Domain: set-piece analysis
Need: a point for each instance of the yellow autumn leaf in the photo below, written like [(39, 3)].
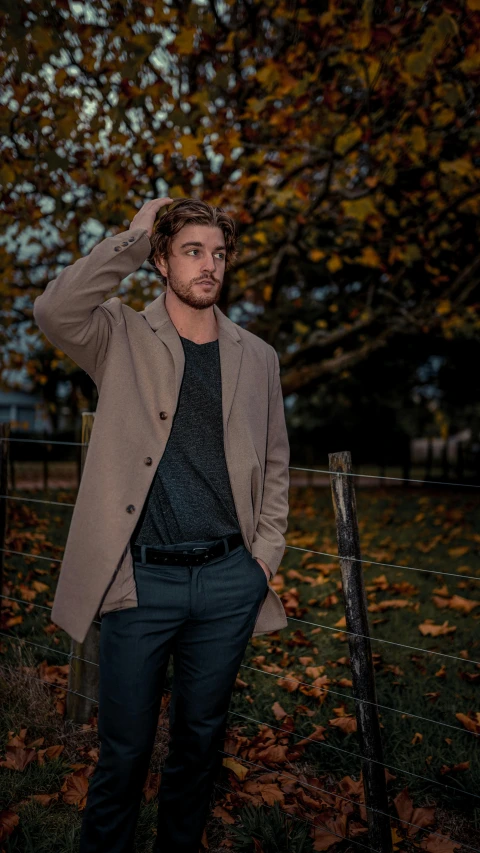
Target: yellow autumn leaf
[(39, 586), (444, 306), (359, 208), (229, 45), (396, 839), (461, 166), (347, 140), (470, 64), (267, 292), (240, 770), (300, 328), (269, 76), (184, 41), (373, 66), (334, 263), (369, 257), (444, 117), (260, 237), (190, 145), (418, 139), (361, 38), (316, 255)]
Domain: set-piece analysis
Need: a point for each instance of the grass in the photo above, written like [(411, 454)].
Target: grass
[(433, 530)]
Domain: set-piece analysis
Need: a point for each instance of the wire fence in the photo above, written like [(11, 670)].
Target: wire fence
[(308, 624), (297, 681), (426, 482), (297, 779)]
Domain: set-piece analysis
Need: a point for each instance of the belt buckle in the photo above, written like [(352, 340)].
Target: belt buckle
[(205, 551)]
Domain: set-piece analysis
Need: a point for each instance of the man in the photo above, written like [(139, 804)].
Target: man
[(179, 520)]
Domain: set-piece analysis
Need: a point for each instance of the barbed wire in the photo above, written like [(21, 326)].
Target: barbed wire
[(34, 604), (165, 729), (320, 625), (313, 742), (381, 477), (346, 799), (34, 500), (385, 565), (327, 745), (43, 441), (363, 701), (52, 684), (328, 628), (287, 545), (48, 648), (291, 467), (290, 776), (276, 675), (383, 640)]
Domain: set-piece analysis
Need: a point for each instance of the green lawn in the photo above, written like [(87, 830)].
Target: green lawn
[(434, 530)]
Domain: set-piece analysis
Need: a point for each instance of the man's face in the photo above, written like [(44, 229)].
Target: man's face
[(196, 265)]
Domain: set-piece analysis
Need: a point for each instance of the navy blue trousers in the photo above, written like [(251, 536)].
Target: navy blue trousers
[(205, 616)]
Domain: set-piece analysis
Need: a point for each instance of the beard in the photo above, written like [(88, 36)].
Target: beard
[(190, 294)]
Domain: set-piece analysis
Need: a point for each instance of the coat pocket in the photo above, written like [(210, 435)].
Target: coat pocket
[(258, 568)]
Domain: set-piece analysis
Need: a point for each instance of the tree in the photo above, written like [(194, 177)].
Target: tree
[(345, 139)]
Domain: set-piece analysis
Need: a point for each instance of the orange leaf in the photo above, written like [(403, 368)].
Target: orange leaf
[(46, 799), (346, 724), (18, 757), (471, 725), (75, 789), (329, 832), (424, 816), (439, 844), (8, 821), (222, 813), (429, 628)]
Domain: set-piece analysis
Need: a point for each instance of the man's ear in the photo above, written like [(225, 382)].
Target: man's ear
[(161, 265)]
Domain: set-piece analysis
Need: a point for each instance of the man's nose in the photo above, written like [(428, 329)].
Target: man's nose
[(209, 264)]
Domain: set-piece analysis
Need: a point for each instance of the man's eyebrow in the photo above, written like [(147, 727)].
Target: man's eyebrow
[(192, 243)]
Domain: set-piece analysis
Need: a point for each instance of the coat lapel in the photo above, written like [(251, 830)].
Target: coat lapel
[(229, 343)]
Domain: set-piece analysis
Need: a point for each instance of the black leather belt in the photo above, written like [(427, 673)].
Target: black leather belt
[(188, 557)]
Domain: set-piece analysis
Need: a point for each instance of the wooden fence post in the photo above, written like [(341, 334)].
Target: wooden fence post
[(4, 455), (83, 676), (361, 663)]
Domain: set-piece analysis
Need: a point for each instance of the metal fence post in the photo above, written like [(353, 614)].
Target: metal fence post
[(83, 676), (361, 663)]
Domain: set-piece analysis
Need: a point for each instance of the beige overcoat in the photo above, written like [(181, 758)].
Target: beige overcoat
[(136, 360)]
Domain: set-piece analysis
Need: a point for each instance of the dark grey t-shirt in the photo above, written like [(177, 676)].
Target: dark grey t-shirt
[(190, 497)]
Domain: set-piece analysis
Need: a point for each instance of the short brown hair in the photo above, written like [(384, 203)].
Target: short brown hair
[(190, 211)]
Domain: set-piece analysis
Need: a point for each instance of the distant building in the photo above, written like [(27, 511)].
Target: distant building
[(24, 411), (420, 448)]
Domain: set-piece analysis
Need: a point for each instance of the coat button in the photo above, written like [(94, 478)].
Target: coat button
[(131, 239), (163, 415), (130, 508), (117, 248), (148, 460), (125, 243)]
